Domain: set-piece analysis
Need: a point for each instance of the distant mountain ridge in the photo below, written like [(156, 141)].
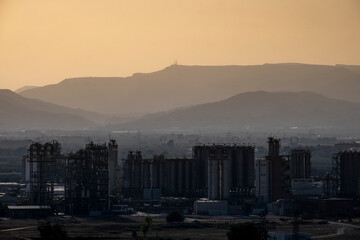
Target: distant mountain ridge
[(178, 86), (257, 111), (354, 68), (24, 88), (250, 111), (19, 113)]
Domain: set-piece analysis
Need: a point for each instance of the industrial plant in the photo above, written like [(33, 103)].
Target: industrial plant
[(217, 179)]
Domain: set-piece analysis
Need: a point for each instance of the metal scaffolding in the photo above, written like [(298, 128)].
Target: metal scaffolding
[(41, 162), (334, 183), (87, 180)]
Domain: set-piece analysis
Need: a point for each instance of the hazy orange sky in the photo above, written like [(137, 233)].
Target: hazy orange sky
[(44, 41)]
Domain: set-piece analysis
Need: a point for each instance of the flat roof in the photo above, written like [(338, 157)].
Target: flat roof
[(29, 207), (10, 183), (211, 201)]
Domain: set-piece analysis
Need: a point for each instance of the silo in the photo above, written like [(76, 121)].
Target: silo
[(250, 166), (300, 163), (193, 173), (137, 170), (201, 156), (239, 162), (180, 176), (146, 173), (154, 174), (225, 173), (187, 176), (127, 173), (172, 175), (213, 174), (112, 163)]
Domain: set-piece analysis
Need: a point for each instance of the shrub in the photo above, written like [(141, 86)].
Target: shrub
[(52, 231), (175, 216), (147, 226)]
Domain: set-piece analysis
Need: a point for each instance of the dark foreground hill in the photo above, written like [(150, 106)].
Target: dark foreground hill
[(257, 111), (179, 86), (19, 113)]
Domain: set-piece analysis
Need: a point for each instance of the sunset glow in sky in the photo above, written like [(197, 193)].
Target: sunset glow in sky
[(42, 42)]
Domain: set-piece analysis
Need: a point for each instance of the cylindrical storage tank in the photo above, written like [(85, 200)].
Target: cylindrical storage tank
[(187, 175), (201, 156), (307, 164), (146, 174), (154, 174), (226, 175), (172, 175), (250, 159), (137, 174), (180, 176), (213, 178), (127, 173), (239, 167), (300, 163), (162, 174), (194, 172), (165, 175)]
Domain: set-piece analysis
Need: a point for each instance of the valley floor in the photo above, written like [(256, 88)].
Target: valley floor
[(194, 227)]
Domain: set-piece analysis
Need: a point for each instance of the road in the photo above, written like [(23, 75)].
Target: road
[(15, 229), (339, 232)]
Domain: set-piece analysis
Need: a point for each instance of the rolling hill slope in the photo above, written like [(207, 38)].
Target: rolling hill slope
[(178, 86), (19, 113), (263, 111)]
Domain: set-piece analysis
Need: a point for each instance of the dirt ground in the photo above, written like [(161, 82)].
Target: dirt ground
[(122, 227)]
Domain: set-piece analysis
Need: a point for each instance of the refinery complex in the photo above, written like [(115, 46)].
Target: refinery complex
[(218, 179)]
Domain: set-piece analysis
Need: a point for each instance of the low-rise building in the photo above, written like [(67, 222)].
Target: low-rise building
[(29, 211), (306, 187), (211, 207), (262, 179)]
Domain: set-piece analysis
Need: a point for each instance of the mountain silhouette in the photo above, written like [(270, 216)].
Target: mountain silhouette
[(24, 88), (19, 113), (257, 111), (178, 86)]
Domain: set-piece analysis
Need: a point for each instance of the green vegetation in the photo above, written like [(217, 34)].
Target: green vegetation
[(147, 226)]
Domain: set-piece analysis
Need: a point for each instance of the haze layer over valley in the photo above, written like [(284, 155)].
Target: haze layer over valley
[(258, 112)]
